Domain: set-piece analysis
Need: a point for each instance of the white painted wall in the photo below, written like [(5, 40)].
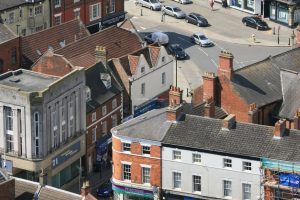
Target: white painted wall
[(152, 79), (212, 174)]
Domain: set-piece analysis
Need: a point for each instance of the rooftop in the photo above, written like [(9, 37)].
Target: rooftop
[(152, 125), (6, 34), (26, 80)]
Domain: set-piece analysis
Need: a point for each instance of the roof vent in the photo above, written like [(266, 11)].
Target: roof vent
[(106, 79), (62, 43), (14, 80)]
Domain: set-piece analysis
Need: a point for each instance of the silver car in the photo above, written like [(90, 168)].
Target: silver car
[(183, 1), (201, 39), (152, 4), (173, 11)]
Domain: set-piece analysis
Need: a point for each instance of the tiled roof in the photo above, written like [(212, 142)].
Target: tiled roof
[(133, 63), (118, 42), (6, 34), (128, 25), (6, 4), (260, 82), (245, 139), (154, 53), (199, 111), (51, 38)]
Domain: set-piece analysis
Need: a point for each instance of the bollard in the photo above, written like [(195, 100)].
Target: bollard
[(162, 17), (141, 12), (274, 30), (289, 41), (253, 37)]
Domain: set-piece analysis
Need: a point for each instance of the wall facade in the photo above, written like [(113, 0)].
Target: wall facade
[(10, 55)]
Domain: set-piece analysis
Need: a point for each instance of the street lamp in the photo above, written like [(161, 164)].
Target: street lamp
[(175, 70), (278, 34)]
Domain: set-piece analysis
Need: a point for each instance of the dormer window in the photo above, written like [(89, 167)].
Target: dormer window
[(106, 79), (88, 94), (143, 70)]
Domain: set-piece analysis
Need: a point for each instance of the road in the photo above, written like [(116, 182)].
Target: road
[(204, 59)]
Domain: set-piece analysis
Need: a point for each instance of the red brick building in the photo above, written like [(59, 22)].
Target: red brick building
[(95, 14), (10, 54)]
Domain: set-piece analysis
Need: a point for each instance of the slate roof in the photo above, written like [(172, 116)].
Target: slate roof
[(118, 42), (6, 4), (53, 36), (249, 140), (199, 111), (260, 82), (6, 34), (99, 93), (152, 125)]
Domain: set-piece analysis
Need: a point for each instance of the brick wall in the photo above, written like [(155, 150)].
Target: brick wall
[(136, 161), (6, 49)]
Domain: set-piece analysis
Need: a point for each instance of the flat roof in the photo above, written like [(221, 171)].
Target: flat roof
[(26, 80)]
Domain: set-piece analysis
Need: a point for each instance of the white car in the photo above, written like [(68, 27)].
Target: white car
[(157, 37), (183, 1), (201, 39), (152, 4)]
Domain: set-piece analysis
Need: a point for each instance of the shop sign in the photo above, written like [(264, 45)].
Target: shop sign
[(145, 108), (61, 158), (134, 191), (292, 180)]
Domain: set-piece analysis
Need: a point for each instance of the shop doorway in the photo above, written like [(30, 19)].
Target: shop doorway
[(265, 9)]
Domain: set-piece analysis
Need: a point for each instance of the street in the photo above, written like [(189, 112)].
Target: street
[(220, 32)]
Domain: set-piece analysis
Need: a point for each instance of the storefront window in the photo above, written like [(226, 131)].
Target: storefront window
[(237, 3), (249, 5), (282, 14), (272, 11)]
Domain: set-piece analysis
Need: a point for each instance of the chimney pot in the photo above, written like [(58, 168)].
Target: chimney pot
[(280, 127), (297, 119)]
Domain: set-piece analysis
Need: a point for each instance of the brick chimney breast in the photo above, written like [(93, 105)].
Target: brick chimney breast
[(229, 122), (280, 128), (175, 104), (209, 85), (225, 65)]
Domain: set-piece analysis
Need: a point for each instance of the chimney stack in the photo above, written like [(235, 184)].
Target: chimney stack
[(229, 122), (297, 120), (225, 65), (175, 104), (253, 113), (209, 108), (280, 128), (85, 189), (101, 55), (209, 86)]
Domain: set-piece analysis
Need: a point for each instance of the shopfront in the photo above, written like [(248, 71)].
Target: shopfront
[(250, 6), (284, 12), (129, 193)]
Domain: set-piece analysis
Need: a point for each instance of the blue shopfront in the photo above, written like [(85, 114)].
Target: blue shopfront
[(130, 193), (103, 149)]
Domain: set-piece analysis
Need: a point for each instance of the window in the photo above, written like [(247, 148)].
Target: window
[(38, 10), (126, 172), (227, 162), (9, 119), (94, 134), (126, 146), (30, 12), (142, 70), (143, 89), (163, 59), (111, 4), (196, 158), (176, 180), (114, 104), (57, 3), (146, 174), (94, 116), (21, 13), (196, 183), (57, 20), (176, 155), (37, 147), (104, 128), (77, 13), (247, 166), (104, 112), (39, 28), (95, 11), (246, 191), (163, 78), (9, 143), (13, 56), (23, 32), (146, 150), (11, 18), (227, 188), (114, 120)]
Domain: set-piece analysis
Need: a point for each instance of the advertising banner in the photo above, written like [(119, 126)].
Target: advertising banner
[(291, 180)]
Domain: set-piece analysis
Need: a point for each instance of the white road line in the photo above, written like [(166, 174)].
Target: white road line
[(203, 51), (214, 63)]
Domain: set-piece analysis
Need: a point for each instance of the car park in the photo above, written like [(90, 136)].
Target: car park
[(183, 1), (197, 19), (201, 39), (255, 22), (177, 51), (152, 4), (173, 11), (157, 37)]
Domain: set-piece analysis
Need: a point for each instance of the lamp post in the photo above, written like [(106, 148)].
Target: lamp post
[(175, 70), (278, 34), (293, 37)]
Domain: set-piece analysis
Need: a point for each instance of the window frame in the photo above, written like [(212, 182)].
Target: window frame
[(247, 167), (146, 177), (104, 127), (143, 89), (176, 182), (227, 191), (38, 10), (194, 184), (194, 158), (56, 22), (94, 116), (114, 103), (98, 11), (244, 191), (227, 164), (126, 146), (127, 176), (146, 152), (104, 110), (11, 18), (94, 134), (176, 157), (57, 5)]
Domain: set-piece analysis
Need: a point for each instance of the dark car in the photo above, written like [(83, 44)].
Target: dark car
[(197, 19), (177, 51), (255, 22), (105, 190)]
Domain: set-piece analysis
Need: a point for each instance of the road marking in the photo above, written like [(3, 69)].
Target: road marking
[(203, 51), (214, 63)]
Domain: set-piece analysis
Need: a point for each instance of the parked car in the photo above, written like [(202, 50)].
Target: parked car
[(157, 37), (152, 4), (255, 22), (173, 11), (105, 190), (183, 1), (177, 51), (201, 39), (197, 19)]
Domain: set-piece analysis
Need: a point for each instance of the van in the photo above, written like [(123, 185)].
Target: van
[(152, 4)]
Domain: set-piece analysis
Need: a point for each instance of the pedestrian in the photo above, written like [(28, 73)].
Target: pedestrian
[(211, 3)]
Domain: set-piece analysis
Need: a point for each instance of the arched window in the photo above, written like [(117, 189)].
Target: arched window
[(1, 66)]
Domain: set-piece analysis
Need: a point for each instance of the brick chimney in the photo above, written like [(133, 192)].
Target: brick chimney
[(101, 54), (298, 36), (229, 122), (225, 65), (209, 108), (209, 86), (280, 128), (297, 120), (85, 189), (175, 104), (253, 113)]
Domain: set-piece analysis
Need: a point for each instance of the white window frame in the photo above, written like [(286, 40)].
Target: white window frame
[(126, 177), (104, 110), (146, 178), (9, 125), (98, 12), (176, 157), (226, 163), (196, 160), (112, 6), (126, 147), (114, 103), (143, 70), (227, 191), (193, 179), (94, 116), (244, 185), (57, 5), (11, 18), (76, 12), (143, 151), (76, 1), (94, 134), (57, 16), (175, 175), (247, 166)]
